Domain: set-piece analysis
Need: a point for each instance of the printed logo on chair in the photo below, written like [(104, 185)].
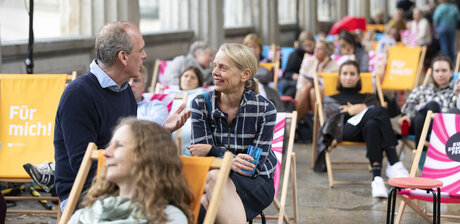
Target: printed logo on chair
[(453, 147)]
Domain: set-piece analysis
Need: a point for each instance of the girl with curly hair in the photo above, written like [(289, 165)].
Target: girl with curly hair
[(142, 181)]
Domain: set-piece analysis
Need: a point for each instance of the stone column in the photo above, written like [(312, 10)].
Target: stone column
[(86, 17), (359, 8), (207, 20), (308, 15), (174, 14), (265, 19), (341, 9), (379, 4)]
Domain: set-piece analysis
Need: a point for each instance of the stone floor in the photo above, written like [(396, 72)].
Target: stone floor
[(317, 203)]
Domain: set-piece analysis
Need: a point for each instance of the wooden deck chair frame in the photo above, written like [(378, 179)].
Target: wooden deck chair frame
[(93, 153), (289, 171), (319, 117), (405, 199), (71, 77), (406, 142), (155, 75), (275, 64), (178, 138)]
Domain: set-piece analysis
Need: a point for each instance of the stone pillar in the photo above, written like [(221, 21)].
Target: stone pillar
[(86, 17), (266, 20), (379, 4), (174, 14), (341, 9), (308, 15), (359, 8), (207, 20)]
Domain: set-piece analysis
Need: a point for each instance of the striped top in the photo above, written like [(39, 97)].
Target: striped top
[(253, 124)]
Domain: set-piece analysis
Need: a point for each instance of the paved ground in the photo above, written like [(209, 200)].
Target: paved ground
[(317, 203)]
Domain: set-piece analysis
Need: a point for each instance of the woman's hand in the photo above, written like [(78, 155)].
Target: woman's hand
[(323, 64), (404, 118), (199, 149), (239, 164), (295, 76), (352, 109)]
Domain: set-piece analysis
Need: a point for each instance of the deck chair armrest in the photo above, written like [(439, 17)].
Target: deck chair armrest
[(218, 189), (78, 184)]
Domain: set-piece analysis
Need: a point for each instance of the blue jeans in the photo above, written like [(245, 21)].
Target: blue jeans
[(447, 41)]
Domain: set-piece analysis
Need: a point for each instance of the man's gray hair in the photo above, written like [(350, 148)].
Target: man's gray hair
[(200, 46), (112, 39)]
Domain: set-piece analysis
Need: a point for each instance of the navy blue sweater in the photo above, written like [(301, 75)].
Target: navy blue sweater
[(86, 113)]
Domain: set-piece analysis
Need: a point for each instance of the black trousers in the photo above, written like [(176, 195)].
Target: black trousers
[(374, 129), (416, 123), (2, 209)]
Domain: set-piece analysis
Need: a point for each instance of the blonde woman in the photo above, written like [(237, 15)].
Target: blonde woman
[(231, 118), (142, 182)]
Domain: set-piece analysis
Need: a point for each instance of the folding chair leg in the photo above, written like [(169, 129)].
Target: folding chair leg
[(315, 130), (329, 168), (417, 209), (277, 205), (294, 187)]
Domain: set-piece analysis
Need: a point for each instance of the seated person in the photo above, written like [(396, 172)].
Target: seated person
[(191, 82), (142, 181), (349, 46), (291, 73), (263, 76), (231, 118), (391, 37), (421, 29), (437, 96), (397, 21), (154, 110), (200, 56), (378, 17), (320, 62), (374, 128)]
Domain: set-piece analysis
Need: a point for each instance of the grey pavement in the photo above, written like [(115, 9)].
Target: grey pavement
[(317, 202)]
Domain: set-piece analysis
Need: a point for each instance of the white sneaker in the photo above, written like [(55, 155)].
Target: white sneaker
[(379, 190), (397, 170)]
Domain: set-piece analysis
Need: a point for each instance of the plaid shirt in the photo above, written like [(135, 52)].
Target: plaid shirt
[(423, 94), (253, 124)]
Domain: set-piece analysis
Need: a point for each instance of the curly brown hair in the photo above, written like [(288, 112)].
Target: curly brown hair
[(158, 171)]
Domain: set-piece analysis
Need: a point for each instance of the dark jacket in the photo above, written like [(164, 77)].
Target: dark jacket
[(333, 126), (294, 62)]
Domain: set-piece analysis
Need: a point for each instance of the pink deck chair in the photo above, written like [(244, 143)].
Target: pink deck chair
[(289, 167), (158, 72), (442, 163)]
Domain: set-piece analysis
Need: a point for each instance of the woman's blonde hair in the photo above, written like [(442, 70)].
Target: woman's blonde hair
[(304, 36), (328, 45), (244, 58), (252, 37), (158, 174)]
